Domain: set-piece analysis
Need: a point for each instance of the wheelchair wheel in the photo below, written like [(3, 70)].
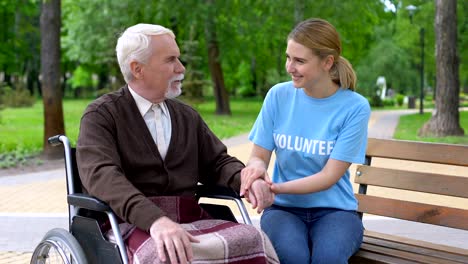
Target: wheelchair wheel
[(58, 246)]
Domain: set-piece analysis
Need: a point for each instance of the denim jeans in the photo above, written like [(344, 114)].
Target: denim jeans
[(312, 235)]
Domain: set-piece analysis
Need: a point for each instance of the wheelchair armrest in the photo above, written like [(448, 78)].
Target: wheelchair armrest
[(89, 202), (216, 191), (220, 192)]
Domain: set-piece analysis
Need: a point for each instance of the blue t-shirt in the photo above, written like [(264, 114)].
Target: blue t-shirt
[(305, 132)]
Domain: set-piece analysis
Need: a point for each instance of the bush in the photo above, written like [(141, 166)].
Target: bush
[(400, 99), (19, 97), (376, 101), (389, 102), (19, 157)]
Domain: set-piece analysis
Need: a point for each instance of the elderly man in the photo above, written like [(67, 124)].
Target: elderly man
[(143, 152)]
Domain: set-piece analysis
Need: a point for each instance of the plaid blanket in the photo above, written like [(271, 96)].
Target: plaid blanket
[(220, 241)]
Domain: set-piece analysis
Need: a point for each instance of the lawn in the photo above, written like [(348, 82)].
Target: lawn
[(22, 129), (409, 125)]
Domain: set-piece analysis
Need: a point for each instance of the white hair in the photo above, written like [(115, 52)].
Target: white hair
[(133, 45)]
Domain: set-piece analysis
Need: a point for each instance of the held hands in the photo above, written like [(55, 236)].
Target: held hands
[(260, 195), (251, 173), (172, 237), (255, 186)]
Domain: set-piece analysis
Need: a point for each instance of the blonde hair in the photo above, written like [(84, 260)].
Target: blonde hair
[(133, 45), (322, 38)]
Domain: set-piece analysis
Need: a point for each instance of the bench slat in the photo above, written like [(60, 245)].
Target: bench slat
[(418, 212), (405, 255), (418, 151), (364, 257), (414, 181), (425, 250), (415, 242)]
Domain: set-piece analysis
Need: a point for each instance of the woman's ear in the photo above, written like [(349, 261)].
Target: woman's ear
[(137, 69), (328, 62)]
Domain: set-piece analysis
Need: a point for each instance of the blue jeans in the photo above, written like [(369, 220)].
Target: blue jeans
[(312, 235)]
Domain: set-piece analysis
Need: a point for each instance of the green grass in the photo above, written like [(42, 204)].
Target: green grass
[(244, 113), (22, 128), (409, 126)]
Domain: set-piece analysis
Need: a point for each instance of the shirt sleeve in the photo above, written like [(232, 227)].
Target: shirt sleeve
[(262, 130), (102, 174), (351, 143)]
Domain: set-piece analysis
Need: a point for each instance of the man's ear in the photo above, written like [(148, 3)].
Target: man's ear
[(137, 69)]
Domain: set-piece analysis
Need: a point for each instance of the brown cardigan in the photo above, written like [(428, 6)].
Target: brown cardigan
[(120, 164)]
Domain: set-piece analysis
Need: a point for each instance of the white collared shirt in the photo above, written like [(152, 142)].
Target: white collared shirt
[(144, 106)]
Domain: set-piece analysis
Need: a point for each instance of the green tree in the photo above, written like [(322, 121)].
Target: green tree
[(20, 43)]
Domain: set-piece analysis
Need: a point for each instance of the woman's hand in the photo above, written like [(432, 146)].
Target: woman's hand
[(250, 174)]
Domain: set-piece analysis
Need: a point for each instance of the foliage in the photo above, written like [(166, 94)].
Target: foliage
[(251, 33), (19, 38), (19, 157), (81, 78), (252, 40), (388, 102), (193, 81), (82, 82), (19, 97), (399, 99), (388, 60), (247, 33), (376, 101), (462, 10)]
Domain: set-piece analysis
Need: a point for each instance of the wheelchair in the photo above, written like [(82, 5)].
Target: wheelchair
[(84, 242)]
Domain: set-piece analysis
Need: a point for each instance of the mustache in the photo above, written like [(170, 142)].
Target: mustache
[(178, 77)]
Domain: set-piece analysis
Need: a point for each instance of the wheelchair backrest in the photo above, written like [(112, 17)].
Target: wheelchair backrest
[(75, 174)]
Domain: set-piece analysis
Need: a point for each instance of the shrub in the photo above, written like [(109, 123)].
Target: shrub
[(389, 102), (400, 99), (19, 97), (376, 101)]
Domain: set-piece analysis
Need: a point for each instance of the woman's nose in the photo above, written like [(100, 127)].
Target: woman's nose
[(289, 67)]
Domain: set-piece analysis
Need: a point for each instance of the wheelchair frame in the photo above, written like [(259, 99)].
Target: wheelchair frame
[(77, 223)]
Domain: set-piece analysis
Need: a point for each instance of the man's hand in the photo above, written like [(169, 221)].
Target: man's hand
[(251, 173), (171, 236), (260, 195)]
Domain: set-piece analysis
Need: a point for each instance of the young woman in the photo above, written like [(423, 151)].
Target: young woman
[(317, 126)]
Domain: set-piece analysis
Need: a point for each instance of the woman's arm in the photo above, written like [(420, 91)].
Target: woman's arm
[(256, 168), (329, 175)]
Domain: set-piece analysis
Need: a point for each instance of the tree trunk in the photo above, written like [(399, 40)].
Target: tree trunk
[(220, 93), (50, 70), (445, 120)]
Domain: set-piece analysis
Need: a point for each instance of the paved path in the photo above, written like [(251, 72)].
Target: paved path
[(34, 203)]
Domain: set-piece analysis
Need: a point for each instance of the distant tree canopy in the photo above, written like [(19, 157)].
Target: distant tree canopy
[(251, 38)]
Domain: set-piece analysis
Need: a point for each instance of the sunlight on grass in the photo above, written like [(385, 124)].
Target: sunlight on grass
[(409, 125)]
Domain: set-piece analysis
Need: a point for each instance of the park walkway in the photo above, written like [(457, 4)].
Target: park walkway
[(33, 203)]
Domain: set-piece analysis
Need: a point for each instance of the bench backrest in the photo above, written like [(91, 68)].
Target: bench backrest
[(412, 180)]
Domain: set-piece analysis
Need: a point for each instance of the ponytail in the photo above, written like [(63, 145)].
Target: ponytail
[(342, 73)]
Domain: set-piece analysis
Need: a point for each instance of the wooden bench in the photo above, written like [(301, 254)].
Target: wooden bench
[(392, 164)]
